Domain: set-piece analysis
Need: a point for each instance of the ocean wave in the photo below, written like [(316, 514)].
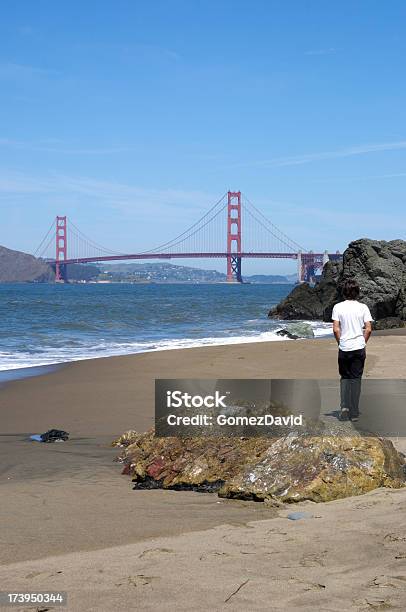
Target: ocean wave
[(321, 329), (53, 355)]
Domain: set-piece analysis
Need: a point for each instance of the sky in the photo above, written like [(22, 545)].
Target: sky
[(133, 118)]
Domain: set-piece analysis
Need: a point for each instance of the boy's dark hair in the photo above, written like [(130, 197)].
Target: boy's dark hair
[(351, 289)]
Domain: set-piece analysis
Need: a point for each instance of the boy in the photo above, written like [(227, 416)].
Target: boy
[(352, 329)]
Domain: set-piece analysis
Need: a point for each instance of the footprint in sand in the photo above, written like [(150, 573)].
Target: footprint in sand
[(154, 551), (36, 574), (140, 580), (313, 559), (375, 604), (365, 505), (214, 553), (387, 582), (308, 586), (394, 537), (137, 581), (33, 575)]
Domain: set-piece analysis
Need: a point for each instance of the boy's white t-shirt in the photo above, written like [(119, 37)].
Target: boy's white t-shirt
[(352, 316)]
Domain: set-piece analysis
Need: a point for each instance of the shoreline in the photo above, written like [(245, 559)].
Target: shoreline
[(14, 374), (173, 345), (11, 374)]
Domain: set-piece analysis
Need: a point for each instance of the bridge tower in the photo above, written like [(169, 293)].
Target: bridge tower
[(300, 268), (61, 250), (234, 237)]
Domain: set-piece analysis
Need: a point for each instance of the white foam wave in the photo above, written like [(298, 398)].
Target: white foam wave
[(51, 356), (10, 361), (321, 329)]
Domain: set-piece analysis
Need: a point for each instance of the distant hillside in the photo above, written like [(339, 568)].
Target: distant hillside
[(166, 273), (19, 267), (16, 266), (161, 273), (85, 272), (271, 279)]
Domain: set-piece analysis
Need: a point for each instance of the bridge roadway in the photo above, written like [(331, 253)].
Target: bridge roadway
[(305, 256)]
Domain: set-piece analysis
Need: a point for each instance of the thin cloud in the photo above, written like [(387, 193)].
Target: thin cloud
[(307, 158), (12, 70), (156, 50), (141, 51), (379, 223), (111, 203), (368, 177), (129, 200), (328, 51), (51, 148)]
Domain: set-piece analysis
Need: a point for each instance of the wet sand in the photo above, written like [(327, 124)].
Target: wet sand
[(70, 500), (69, 497)]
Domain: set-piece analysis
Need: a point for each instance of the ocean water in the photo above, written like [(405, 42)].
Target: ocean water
[(50, 324)]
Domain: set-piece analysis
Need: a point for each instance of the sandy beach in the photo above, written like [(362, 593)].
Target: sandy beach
[(346, 556), (71, 521)]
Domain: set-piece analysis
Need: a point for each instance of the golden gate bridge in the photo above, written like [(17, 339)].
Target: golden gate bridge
[(217, 234)]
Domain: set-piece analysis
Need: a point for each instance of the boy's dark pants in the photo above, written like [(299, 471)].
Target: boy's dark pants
[(351, 368)]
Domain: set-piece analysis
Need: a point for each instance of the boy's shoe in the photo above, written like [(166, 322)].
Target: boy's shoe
[(354, 419), (344, 414)]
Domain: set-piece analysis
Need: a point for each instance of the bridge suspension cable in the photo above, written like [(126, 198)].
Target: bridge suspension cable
[(39, 251), (188, 232), (78, 235), (273, 228), (208, 235)]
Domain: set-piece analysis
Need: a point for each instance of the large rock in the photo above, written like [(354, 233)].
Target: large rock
[(336, 463), (319, 469), (297, 330), (305, 302), (380, 269)]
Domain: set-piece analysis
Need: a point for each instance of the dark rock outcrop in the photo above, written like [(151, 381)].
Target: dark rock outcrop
[(377, 265), (16, 267), (305, 302), (286, 334), (388, 323), (335, 463)]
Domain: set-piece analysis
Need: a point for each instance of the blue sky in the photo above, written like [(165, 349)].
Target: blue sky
[(134, 117)]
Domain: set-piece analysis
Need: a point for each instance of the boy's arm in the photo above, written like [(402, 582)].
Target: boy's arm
[(337, 331), (367, 323), (367, 330)]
